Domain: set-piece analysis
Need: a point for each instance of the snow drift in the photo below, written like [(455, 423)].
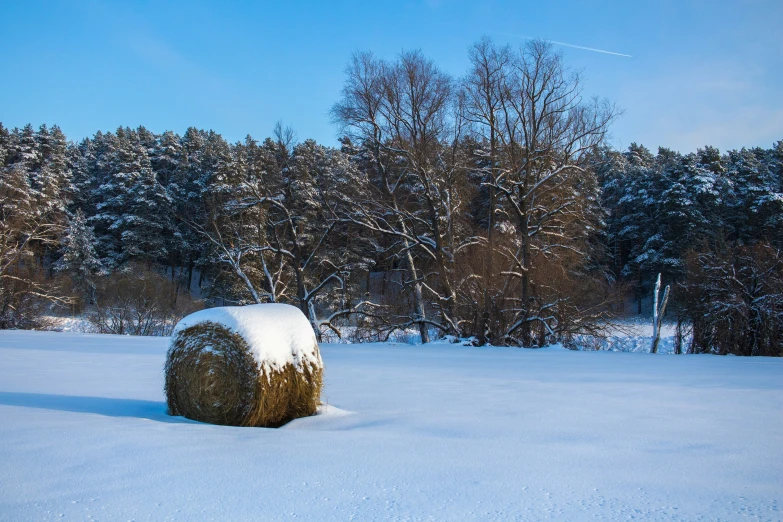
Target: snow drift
[(255, 365)]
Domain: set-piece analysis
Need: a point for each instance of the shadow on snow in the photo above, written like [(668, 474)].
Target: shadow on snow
[(150, 410)]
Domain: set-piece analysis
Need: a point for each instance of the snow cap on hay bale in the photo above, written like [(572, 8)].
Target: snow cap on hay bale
[(256, 365)]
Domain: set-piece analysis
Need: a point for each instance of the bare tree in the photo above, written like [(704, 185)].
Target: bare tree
[(542, 134), (483, 91), (401, 115), (28, 226)]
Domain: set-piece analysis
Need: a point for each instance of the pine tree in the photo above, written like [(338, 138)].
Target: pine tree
[(81, 159), (79, 259), (128, 206), (143, 218), (101, 194), (51, 177), (757, 206), (166, 158), (185, 197), (4, 143), (679, 216), (632, 213)]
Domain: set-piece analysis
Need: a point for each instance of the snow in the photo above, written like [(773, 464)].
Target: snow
[(438, 432), (635, 334), (69, 324), (277, 334)]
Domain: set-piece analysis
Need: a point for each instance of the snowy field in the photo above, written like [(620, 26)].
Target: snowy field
[(442, 432)]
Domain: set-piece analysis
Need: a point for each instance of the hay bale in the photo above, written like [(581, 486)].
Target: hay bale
[(255, 365)]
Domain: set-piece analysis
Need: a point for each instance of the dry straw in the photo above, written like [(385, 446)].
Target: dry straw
[(212, 376)]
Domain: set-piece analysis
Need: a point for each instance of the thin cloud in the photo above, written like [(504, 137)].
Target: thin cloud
[(574, 46)]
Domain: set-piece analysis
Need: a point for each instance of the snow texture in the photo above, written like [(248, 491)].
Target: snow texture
[(277, 334), (441, 432)]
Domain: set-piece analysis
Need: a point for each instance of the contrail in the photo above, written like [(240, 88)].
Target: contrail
[(572, 45), (591, 49)]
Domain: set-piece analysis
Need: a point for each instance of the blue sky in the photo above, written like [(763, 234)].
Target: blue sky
[(699, 73)]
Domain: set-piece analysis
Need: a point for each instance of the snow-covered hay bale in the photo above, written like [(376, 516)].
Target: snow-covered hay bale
[(255, 365)]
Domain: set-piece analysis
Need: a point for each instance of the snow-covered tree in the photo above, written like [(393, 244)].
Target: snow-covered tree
[(272, 220), (79, 259), (734, 296), (129, 204), (145, 219), (545, 181), (31, 223), (401, 115), (757, 206)]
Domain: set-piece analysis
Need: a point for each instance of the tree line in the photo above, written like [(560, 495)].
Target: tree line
[(486, 206), (712, 225)]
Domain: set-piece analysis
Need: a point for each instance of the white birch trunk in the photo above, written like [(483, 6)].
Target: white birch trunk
[(658, 313)]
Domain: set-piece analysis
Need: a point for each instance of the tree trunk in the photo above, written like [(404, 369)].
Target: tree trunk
[(418, 299), (190, 274), (658, 314), (447, 307), (525, 330), (639, 293), (485, 335), (300, 293), (678, 336), (248, 284)]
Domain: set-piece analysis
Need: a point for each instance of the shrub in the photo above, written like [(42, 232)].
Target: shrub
[(139, 302), (734, 297), (26, 296)]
